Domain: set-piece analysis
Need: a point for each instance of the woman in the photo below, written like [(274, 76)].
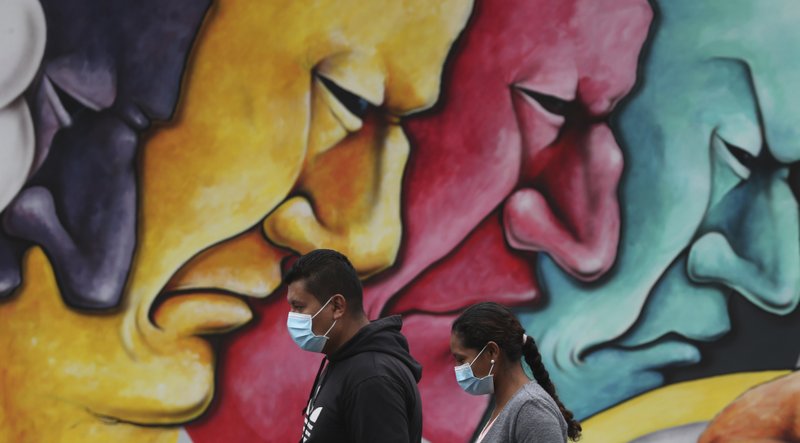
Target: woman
[(488, 340)]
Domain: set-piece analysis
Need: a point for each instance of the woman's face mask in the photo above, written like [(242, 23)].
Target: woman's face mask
[(474, 385), (300, 328)]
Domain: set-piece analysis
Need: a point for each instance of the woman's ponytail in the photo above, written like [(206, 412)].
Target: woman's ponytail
[(534, 359)]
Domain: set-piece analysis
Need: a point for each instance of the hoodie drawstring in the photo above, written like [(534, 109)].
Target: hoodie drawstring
[(311, 395)]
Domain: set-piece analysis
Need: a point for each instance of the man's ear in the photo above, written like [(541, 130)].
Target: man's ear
[(339, 306)]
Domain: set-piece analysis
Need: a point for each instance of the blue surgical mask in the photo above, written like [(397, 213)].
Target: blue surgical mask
[(299, 326), (472, 384)]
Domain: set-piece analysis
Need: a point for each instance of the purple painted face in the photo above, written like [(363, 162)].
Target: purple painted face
[(110, 68)]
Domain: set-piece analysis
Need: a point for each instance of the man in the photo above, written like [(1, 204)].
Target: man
[(367, 391)]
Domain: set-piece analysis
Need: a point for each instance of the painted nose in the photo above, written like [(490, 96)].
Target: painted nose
[(752, 245), (349, 200)]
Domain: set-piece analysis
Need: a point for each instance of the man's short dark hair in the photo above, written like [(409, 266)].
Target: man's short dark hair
[(325, 273)]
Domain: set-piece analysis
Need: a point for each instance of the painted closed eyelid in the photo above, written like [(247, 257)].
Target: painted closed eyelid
[(557, 79), (358, 75), (92, 85)]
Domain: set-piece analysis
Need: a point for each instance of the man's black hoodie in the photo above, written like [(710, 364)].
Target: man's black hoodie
[(367, 393)]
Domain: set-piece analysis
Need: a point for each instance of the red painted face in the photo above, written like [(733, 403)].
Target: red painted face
[(521, 126)]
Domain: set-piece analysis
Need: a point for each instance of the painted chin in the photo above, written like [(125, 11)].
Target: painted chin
[(612, 374), (178, 379), (663, 353), (191, 403), (641, 365)]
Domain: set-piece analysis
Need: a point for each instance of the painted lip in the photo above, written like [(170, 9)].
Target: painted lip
[(200, 311)]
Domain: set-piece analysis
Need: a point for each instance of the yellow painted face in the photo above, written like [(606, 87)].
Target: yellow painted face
[(288, 132)]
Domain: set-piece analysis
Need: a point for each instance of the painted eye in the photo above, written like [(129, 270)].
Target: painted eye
[(68, 102), (739, 160), (553, 105), (356, 104), (742, 156), (65, 105)]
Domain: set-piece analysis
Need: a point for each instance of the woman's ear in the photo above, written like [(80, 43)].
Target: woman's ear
[(493, 350)]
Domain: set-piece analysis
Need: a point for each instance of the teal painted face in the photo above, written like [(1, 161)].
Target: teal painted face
[(711, 140)]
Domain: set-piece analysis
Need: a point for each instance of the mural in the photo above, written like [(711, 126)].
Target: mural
[(622, 172)]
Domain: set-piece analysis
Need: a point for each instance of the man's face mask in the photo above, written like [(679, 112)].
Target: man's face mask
[(300, 328), (474, 385)]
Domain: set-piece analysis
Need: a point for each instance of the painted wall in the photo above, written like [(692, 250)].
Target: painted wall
[(623, 173)]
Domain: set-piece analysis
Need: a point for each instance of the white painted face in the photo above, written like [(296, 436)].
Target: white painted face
[(23, 31)]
